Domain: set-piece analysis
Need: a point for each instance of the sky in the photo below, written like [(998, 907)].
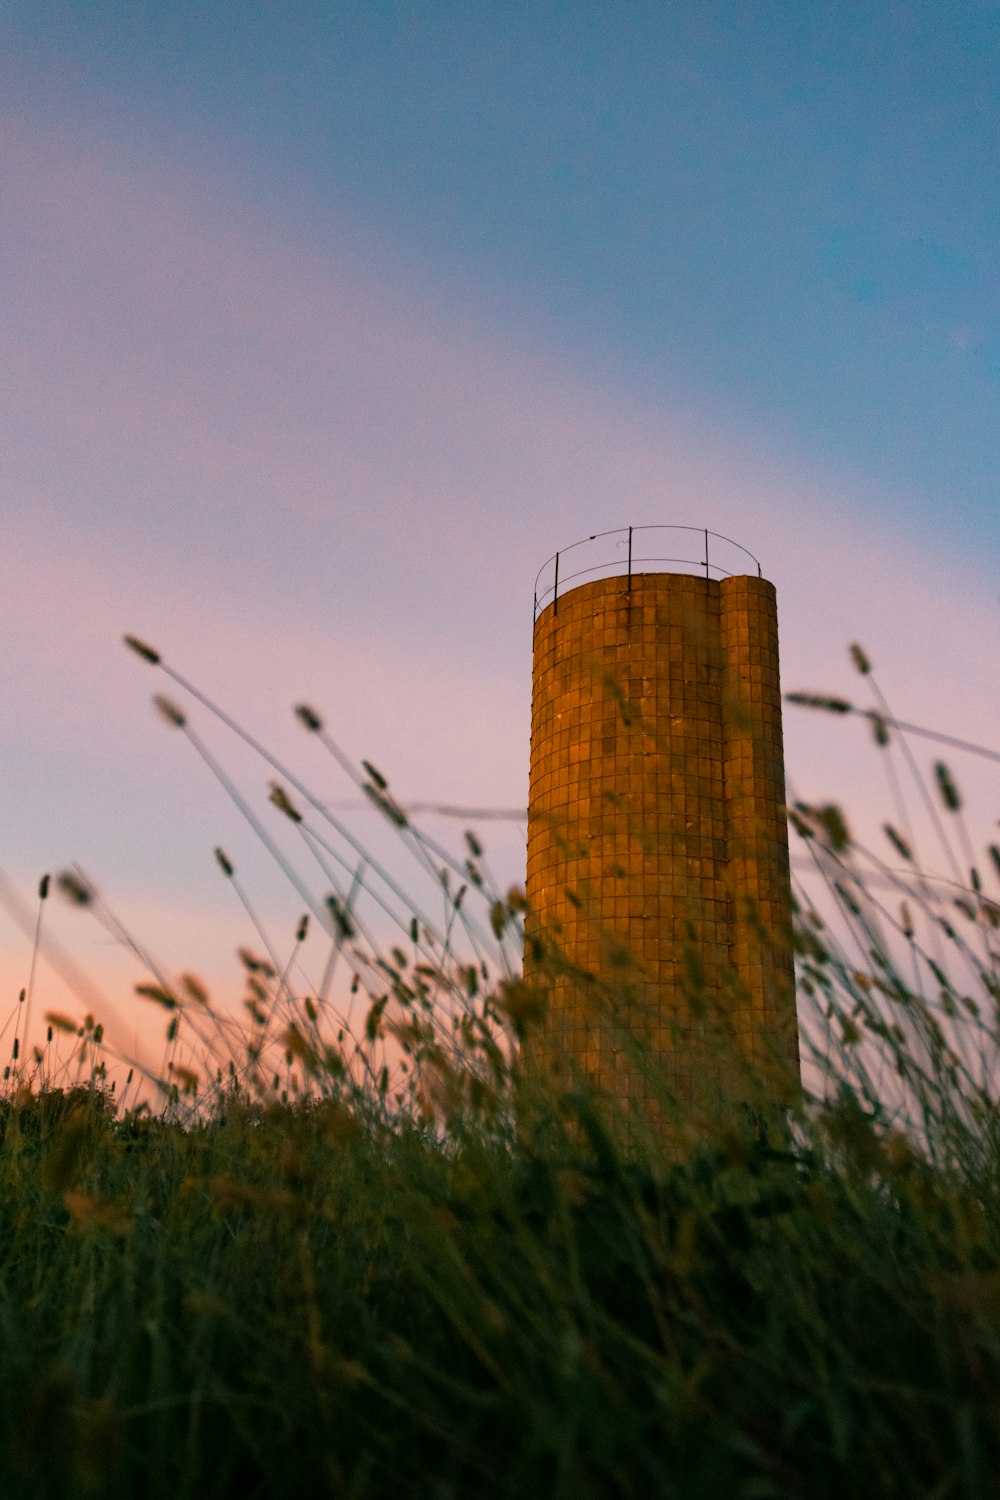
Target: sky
[(323, 325)]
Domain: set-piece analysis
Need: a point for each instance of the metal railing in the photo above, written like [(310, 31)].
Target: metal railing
[(623, 557)]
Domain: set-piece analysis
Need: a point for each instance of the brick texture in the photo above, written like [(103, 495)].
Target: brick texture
[(657, 878)]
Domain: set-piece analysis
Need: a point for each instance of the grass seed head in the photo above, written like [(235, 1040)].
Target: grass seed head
[(255, 965), (74, 888), (376, 776), (946, 786), (60, 1022), (194, 989), (158, 994), (283, 802), (141, 649), (880, 728), (897, 841), (309, 717), (169, 711), (819, 700), (834, 825)]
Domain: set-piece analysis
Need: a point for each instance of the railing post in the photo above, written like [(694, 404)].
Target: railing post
[(606, 568)]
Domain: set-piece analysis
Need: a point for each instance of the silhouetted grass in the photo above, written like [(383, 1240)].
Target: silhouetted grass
[(364, 1252)]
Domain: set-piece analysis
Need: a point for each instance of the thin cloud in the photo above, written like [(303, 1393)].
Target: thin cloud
[(300, 481)]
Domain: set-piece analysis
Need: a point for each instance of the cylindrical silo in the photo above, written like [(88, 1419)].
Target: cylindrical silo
[(657, 879)]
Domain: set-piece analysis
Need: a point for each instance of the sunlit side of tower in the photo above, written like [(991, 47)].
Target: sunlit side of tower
[(657, 844)]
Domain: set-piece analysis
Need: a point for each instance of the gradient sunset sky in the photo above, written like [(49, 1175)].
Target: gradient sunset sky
[(322, 325)]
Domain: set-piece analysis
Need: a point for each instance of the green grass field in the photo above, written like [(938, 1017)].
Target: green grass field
[(387, 1261)]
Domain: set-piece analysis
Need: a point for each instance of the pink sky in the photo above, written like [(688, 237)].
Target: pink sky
[(301, 478)]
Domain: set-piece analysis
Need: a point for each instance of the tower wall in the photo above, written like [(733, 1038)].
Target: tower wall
[(657, 848), (753, 772)]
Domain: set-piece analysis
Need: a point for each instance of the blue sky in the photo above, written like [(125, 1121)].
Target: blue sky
[(789, 212), (321, 326)]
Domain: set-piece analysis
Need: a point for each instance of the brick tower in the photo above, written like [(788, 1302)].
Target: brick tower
[(658, 880)]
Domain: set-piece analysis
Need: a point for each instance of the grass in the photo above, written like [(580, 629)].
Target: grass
[(354, 1249)]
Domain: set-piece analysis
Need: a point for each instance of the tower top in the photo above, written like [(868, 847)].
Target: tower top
[(640, 549)]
